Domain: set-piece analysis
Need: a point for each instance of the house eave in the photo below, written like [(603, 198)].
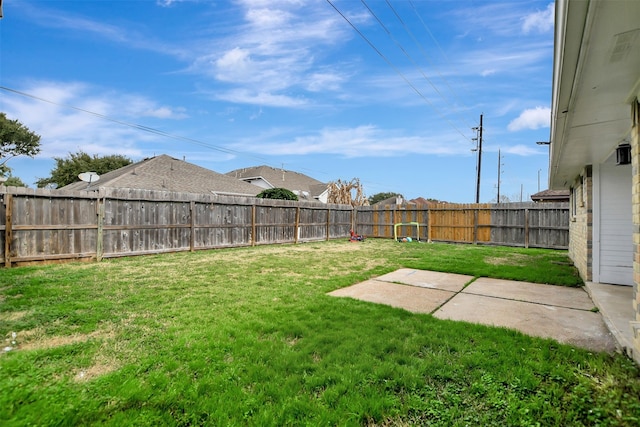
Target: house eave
[(595, 78)]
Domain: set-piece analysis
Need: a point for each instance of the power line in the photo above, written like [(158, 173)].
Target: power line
[(134, 125), (159, 132), (397, 70), (427, 56), (404, 51), (442, 52)]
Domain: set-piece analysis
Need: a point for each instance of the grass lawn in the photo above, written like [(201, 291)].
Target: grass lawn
[(248, 336)]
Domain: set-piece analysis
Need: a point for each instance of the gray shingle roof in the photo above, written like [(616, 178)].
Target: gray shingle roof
[(168, 174), (281, 178), (551, 195)]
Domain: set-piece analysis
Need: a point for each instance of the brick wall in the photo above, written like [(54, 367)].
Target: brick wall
[(635, 160), (581, 224)]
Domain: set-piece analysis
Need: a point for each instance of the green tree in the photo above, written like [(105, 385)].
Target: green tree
[(378, 197), (277, 193), (14, 181), (16, 140), (67, 169), (10, 180)]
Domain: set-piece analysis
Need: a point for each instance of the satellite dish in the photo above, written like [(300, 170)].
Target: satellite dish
[(89, 177)]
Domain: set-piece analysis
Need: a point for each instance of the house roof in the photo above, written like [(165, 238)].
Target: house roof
[(551, 195), (168, 174), (281, 178), (596, 76), (393, 200)]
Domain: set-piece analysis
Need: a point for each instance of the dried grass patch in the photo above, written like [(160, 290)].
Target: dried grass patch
[(12, 316), (96, 370), (513, 259), (36, 339)]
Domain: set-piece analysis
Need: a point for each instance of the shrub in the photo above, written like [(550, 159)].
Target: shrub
[(277, 193)]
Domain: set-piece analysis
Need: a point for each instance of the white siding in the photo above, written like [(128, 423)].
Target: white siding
[(616, 226)]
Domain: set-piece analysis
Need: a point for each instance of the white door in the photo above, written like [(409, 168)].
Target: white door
[(616, 225)]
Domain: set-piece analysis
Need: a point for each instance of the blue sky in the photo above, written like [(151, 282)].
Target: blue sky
[(383, 91)]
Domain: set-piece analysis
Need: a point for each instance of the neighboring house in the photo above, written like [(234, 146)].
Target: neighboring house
[(305, 187), (393, 200), (551, 196), (595, 132), (168, 174)]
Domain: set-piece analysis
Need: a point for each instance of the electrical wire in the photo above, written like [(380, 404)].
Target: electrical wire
[(409, 57), (429, 59), (435, 40), (135, 125), (160, 132), (397, 70)]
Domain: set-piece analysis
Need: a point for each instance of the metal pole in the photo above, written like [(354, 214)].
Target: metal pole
[(539, 180)]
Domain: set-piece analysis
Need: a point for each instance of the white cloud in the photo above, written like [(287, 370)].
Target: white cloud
[(533, 118), (169, 3), (64, 129), (360, 141), (324, 81), (518, 150), (234, 66), (541, 21), (273, 56), (267, 18), (80, 26), (244, 96)]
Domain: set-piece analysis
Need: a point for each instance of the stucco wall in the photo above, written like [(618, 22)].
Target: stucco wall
[(581, 224)]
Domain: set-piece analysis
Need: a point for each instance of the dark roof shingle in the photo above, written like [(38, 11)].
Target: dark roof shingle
[(281, 178), (168, 174)]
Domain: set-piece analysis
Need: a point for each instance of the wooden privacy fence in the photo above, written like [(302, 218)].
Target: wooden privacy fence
[(47, 225), (38, 225), (541, 225)]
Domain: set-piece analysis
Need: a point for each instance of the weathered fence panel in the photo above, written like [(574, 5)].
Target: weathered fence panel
[(218, 226), (544, 225), (39, 225), (47, 226)]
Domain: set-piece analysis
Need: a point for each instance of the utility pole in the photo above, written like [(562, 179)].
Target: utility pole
[(479, 149), (499, 164)]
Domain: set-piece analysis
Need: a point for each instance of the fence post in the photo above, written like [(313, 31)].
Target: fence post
[(476, 215), (297, 225), (253, 224), (354, 216), (375, 221), (8, 230), (526, 227), (328, 222), (192, 237), (100, 237), (429, 225)]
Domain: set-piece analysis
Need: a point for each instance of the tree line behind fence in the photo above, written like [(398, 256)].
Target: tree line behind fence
[(38, 225)]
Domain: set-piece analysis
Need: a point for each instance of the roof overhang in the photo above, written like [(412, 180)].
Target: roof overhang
[(596, 76)]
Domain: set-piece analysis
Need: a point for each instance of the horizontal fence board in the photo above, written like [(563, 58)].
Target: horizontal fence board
[(39, 225)]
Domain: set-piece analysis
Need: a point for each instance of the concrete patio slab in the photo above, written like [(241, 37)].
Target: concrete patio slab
[(547, 311), (411, 298), (581, 328), (427, 279), (559, 296)]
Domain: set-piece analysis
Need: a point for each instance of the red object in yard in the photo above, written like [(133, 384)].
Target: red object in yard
[(356, 237)]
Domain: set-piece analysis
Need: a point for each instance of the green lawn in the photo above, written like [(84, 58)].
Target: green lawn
[(249, 337)]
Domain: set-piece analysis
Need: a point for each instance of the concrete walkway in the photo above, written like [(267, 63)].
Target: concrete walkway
[(616, 308), (567, 315)]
